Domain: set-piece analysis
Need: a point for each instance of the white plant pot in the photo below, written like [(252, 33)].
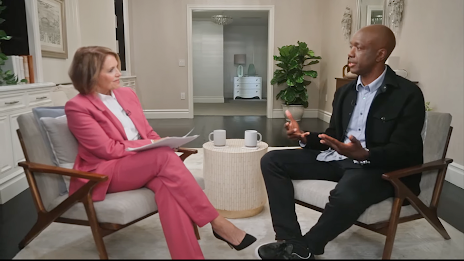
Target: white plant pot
[(296, 111)]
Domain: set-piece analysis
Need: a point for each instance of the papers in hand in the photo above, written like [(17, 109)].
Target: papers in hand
[(172, 142)]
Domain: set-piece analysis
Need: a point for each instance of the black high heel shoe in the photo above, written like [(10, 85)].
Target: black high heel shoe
[(246, 242)]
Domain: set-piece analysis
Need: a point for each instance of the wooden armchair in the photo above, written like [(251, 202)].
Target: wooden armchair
[(385, 216), (104, 217)]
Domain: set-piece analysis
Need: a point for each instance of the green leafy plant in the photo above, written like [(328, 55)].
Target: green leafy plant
[(427, 106), (6, 77), (292, 62)]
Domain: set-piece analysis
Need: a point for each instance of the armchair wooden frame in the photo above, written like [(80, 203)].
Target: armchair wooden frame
[(45, 218), (388, 228)]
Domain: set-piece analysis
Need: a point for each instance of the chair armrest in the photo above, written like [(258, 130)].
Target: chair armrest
[(37, 167), (185, 150), (438, 164)]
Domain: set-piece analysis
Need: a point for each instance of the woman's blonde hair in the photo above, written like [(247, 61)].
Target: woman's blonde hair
[(86, 66)]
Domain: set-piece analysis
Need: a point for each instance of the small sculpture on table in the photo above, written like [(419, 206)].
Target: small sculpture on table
[(348, 74)]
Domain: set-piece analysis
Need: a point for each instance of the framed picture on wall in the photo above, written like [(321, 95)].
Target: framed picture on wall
[(52, 28)]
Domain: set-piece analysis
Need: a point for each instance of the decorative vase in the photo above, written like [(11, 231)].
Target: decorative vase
[(240, 71), (297, 111), (348, 74), (251, 70)]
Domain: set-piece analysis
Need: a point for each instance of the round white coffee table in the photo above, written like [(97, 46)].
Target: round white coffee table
[(233, 180)]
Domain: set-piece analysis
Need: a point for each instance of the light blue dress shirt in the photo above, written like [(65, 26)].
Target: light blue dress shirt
[(357, 125)]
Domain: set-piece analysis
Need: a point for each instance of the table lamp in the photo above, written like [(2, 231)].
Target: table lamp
[(240, 59)]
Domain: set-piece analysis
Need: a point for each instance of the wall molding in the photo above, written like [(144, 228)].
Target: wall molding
[(455, 174), (324, 115), (308, 113), (12, 185), (208, 99), (167, 114)]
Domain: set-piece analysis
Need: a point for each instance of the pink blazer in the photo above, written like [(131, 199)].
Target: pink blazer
[(101, 136)]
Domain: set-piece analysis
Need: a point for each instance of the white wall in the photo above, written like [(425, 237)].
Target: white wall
[(98, 23), (249, 40), (88, 22), (431, 49), (207, 54), (159, 40)]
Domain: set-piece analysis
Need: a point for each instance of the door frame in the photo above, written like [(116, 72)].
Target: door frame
[(270, 42)]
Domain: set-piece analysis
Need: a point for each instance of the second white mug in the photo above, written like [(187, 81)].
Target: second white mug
[(251, 138), (219, 138)]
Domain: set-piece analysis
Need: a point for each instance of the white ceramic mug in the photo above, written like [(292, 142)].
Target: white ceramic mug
[(251, 138), (219, 137)]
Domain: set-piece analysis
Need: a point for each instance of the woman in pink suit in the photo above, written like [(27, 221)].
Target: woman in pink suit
[(106, 120)]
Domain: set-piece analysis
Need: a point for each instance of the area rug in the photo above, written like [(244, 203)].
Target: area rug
[(145, 239)]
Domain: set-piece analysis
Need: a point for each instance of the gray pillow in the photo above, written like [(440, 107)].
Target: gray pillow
[(62, 142), (54, 112)]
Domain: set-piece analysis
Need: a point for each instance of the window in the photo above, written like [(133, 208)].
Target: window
[(120, 36), (15, 25)]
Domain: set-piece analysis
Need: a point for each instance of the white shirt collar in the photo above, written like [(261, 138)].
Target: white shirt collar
[(106, 97)]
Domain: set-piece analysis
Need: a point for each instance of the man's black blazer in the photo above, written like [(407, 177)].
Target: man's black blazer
[(393, 126)]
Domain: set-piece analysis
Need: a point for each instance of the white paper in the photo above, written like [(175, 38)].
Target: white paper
[(172, 142)]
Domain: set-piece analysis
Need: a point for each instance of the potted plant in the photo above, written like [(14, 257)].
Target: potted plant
[(6, 77), (292, 62)]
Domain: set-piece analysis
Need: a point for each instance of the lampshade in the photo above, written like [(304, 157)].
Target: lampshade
[(239, 58)]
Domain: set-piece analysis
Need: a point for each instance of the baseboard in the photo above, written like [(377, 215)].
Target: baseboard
[(15, 184), (455, 175), (208, 99), (308, 113), (324, 115), (167, 114)]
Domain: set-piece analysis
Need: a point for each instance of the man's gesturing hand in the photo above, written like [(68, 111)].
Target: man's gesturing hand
[(353, 149), (293, 129)]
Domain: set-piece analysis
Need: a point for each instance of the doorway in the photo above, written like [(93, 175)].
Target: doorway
[(226, 99)]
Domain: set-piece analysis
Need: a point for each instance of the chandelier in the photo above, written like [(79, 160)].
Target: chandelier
[(222, 19)]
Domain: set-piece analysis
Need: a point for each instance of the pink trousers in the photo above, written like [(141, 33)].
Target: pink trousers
[(179, 198)]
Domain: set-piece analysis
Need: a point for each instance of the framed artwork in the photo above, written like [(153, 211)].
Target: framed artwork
[(52, 28)]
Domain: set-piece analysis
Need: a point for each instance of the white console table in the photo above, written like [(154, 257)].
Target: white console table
[(128, 81), (14, 101), (248, 87)]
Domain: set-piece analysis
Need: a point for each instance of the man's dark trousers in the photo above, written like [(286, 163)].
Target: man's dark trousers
[(358, 188)]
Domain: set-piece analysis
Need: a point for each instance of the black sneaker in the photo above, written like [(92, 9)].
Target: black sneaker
[(280, 250)]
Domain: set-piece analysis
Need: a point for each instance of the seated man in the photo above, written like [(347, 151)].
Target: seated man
[(375, 127)]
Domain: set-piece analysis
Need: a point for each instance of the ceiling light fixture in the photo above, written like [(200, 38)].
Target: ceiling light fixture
[(222, 19)]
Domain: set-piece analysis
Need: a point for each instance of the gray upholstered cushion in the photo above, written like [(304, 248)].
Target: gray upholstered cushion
[(48, 184), (316, 192), (119, 208), (63, 143), (53, 112)]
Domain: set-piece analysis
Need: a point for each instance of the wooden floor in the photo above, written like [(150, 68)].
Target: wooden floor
[(18, 215), (238, 107)]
